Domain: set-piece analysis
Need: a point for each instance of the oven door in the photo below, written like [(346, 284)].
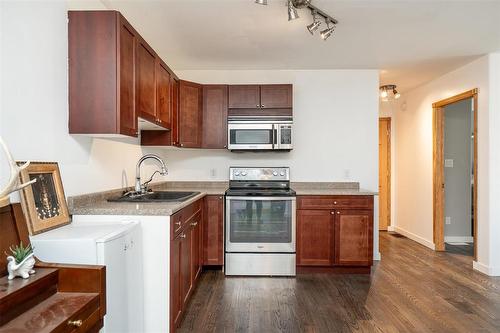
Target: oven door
[(260, 224), (250, 136)]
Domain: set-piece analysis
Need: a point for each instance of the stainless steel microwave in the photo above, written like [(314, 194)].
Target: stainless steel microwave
[(259, 135)]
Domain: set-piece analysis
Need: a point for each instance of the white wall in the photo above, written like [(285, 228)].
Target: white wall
[(335, 128), (414, 157)]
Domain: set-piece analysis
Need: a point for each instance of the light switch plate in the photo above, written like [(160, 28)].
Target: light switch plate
[(447, 220), (448, 163)]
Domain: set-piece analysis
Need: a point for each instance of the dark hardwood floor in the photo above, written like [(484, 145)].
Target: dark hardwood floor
[(466, 249), (413, 289)]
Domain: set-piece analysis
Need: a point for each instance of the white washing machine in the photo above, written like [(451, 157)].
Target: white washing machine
[(119, 248)]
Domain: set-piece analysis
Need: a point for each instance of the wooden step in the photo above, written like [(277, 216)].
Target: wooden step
[(18, 295), (56, 313)]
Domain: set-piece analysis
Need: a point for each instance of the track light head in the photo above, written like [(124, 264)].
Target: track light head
[(261, 2), (301, 3), (314, 25), (396, 94), (292, 11), (385, 91), (328, 31)]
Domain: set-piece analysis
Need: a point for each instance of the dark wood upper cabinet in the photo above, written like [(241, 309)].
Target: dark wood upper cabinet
[(315, 237), (276, 96), (213, 230), (214, 116), (102, 52), (163, 95), (190, 114), (354, 237), (260, 100), (174, 132), (244, 96), (145, 68)]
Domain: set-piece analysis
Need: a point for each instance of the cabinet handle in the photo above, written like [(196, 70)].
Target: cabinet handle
[(182, 236), (194, 224), (75, 323)]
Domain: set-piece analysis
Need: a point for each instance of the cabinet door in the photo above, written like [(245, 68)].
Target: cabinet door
[(213, 226), (214, 116), (163, 95), (354, 237), (190, 114), (186, 284), (145, 82), (244, 96), (315, 237), (127, 116), (175, 283), (196, 237), (276, 96), (174, 131)]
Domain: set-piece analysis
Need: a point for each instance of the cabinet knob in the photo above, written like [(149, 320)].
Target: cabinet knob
[(332, 213), (75, 323), (338, 213), (258, 105), (335, 202), (182, 145), (178, 223), (194, 224), (182, 236), (220, 198), (262, 105), (225, 146)]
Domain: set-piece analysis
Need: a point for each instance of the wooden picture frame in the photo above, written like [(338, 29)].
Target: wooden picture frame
[(44, 203)]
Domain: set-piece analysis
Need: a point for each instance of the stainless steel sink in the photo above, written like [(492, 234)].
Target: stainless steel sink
[(159, 196)]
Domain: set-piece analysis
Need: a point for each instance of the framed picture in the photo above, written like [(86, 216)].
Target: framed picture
[(44, 203)]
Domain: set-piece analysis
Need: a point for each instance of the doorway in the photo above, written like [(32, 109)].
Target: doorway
[(384, 187), (455, 173)]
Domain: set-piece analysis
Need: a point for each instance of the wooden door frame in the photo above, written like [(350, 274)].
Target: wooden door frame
[(389, 143), (438, 167)]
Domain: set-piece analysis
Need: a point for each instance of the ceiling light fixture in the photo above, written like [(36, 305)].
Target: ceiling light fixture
[(386, 89), (315, 24), (328, 31), (292, 12), (293, 5)]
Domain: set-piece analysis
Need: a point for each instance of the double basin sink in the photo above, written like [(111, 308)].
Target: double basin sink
[(158, 196)]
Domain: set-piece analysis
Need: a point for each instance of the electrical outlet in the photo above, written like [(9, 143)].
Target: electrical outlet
[(447, 220), (213, 173), (347, 174)]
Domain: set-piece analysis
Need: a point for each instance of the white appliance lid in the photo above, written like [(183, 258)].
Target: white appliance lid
[(100, 233)]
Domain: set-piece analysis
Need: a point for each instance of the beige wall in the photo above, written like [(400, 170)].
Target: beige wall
[(413, 142)]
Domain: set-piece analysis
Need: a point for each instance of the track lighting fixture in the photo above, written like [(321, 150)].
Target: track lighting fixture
[(314, 25), (389, 88), (328, 31), (292, 12), (293, 5)]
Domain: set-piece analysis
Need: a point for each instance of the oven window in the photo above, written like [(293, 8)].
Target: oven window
[(251, 136), (257, 221)]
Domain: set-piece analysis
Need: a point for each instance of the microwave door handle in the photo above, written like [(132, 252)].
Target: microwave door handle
[(275, 136)]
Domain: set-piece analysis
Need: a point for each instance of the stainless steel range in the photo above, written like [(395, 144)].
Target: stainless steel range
[(260, 222)]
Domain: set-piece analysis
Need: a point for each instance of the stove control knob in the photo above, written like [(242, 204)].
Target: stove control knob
[(275, 173), (282, 173), (236, 173), (243, 173)]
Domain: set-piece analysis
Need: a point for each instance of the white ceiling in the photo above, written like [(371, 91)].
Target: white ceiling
[(410, 41)]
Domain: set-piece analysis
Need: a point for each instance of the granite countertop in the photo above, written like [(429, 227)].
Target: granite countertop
[(97, 204), (329, 188)]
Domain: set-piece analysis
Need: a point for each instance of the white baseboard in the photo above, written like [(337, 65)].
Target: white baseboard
[(391, 228), (490, 271), (459, 239), (415, 238), (377, 256)]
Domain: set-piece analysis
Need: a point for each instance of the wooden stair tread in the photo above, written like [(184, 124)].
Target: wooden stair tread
[(53, 313), (7, 288)]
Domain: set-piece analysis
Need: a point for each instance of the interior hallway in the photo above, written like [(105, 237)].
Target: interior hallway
[(413, 289)]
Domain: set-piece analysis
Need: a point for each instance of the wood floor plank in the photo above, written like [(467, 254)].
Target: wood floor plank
[(413, 289)]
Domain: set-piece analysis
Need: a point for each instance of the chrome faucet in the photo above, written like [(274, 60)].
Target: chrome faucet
[(142, 188)]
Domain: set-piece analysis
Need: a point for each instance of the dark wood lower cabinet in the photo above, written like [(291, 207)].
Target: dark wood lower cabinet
[(175, 282), (196, 247), (315, 237), (213, 234), (335, 232)]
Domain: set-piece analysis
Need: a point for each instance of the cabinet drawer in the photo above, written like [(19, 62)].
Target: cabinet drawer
[(331, 202), (180, 219)]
